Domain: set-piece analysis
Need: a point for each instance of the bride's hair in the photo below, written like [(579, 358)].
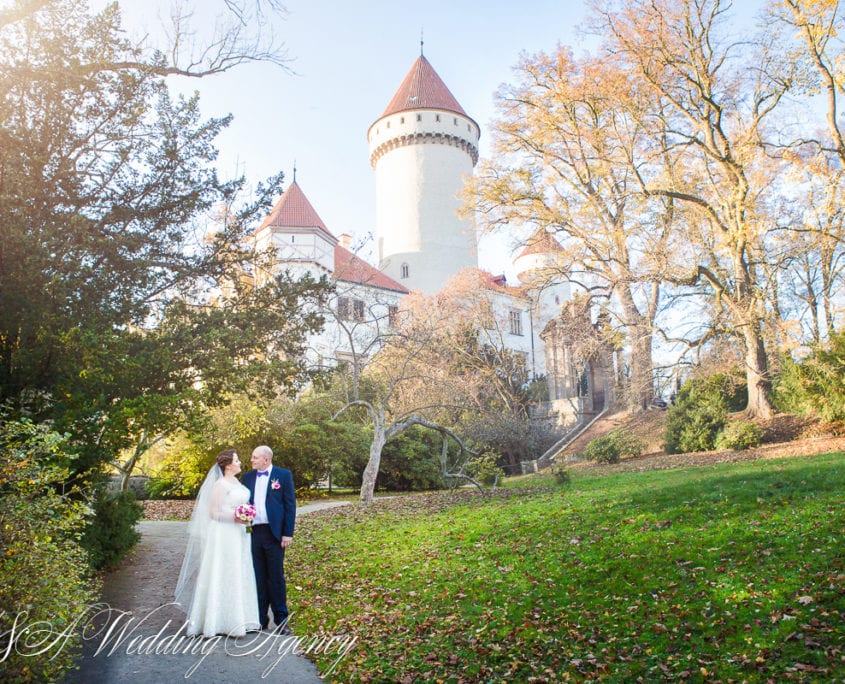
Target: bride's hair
[(225, 458)]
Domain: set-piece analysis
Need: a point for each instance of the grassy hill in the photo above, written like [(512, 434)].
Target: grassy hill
[(730, 572), (649, 427)]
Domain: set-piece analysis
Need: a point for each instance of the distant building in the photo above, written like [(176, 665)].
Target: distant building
[(422, 147)]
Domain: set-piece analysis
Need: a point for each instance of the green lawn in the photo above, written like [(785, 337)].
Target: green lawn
[(723, 573)]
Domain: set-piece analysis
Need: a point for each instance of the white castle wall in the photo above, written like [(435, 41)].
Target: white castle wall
[(341, 340), (299, 245), (421, 158), (528, 342)]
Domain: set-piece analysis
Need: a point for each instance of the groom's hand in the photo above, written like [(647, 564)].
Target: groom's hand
[(286, 541)]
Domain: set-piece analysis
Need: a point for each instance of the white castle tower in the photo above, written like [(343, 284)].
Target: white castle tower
[(538, 268), (422, 147)]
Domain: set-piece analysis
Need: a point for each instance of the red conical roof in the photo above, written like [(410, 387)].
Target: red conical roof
[(542, 242), (423, 89), (293, 210)]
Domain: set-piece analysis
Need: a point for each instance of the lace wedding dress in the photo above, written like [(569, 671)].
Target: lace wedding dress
[(222, 584)]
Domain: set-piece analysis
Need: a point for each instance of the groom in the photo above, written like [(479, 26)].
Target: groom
[(271, 491)]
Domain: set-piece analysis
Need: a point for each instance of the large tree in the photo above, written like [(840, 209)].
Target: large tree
[(443, 364), (567, 149), (713, 100), (107, 324), (815, 223)]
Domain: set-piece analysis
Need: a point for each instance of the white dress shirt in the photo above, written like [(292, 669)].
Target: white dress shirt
[(261, 484)]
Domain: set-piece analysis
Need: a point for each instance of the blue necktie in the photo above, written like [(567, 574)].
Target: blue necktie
[(262, 473)]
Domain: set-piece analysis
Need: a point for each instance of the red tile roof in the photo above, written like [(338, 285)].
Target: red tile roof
[(499, 283), (352, 269), (423, 89), (293, 210), (542, 242)]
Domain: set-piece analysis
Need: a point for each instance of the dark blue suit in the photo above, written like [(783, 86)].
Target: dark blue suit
[(268, 557)]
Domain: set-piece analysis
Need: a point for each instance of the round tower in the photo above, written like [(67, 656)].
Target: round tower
[(538, 270), (422, 147)]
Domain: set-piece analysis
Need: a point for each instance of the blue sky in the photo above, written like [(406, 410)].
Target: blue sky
[(349, 58)]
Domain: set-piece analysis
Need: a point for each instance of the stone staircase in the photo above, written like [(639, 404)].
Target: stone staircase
[(574, 441)]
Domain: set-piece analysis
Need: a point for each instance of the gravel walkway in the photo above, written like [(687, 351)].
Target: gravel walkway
[(139, 635)]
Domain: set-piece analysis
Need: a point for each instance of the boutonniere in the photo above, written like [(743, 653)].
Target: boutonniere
[(274, 484)]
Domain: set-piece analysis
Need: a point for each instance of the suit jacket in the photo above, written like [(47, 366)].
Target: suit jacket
[(281, 500)]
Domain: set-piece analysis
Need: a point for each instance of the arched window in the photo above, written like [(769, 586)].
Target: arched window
[(405, 270)]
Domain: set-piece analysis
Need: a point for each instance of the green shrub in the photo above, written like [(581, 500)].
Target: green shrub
[(696, 427), (111, 534), (739, 436), (611, 447), (701, 410), (165, 488), (816, 385), (411, 462), (45, 576), (485, 468)]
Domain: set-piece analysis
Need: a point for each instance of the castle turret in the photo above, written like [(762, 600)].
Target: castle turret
[(300, 240), (538, 268), (422, 147)]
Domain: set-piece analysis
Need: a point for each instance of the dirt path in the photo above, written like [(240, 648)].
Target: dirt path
[(139, 634)]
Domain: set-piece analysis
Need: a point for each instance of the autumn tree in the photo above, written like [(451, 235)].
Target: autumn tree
[(472, 334), (568, 146), (714, 109), (813, 29), (378, 386), (441, 360), (811, 235)]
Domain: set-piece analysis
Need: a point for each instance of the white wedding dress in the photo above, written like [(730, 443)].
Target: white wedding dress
[(223, 599)]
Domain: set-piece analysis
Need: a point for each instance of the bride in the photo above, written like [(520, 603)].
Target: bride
[(216, 586)]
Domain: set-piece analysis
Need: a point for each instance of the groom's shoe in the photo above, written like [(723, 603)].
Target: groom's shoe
[(279, 630)]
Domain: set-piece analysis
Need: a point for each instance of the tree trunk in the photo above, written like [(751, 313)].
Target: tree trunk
[(642, 377), (641, 389), (141, 448), (368, 481), (757, 375)]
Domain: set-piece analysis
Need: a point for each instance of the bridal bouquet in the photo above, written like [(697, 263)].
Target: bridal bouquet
[(246, 512)]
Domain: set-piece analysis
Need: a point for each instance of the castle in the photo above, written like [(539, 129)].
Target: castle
[(422, 148)]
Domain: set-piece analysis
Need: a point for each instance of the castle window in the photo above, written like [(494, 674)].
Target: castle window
[(515, 321), (392, 315), (349, 309), (419, 117), (388, 124), (456, 120), (583, 386), (406, 270), (293, 238), (437, 117), (401, 119)]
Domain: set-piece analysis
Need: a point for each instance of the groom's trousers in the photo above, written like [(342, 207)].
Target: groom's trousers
[(268, 560)]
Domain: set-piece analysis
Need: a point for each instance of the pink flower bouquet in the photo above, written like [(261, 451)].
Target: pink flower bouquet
[(246, 512)]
